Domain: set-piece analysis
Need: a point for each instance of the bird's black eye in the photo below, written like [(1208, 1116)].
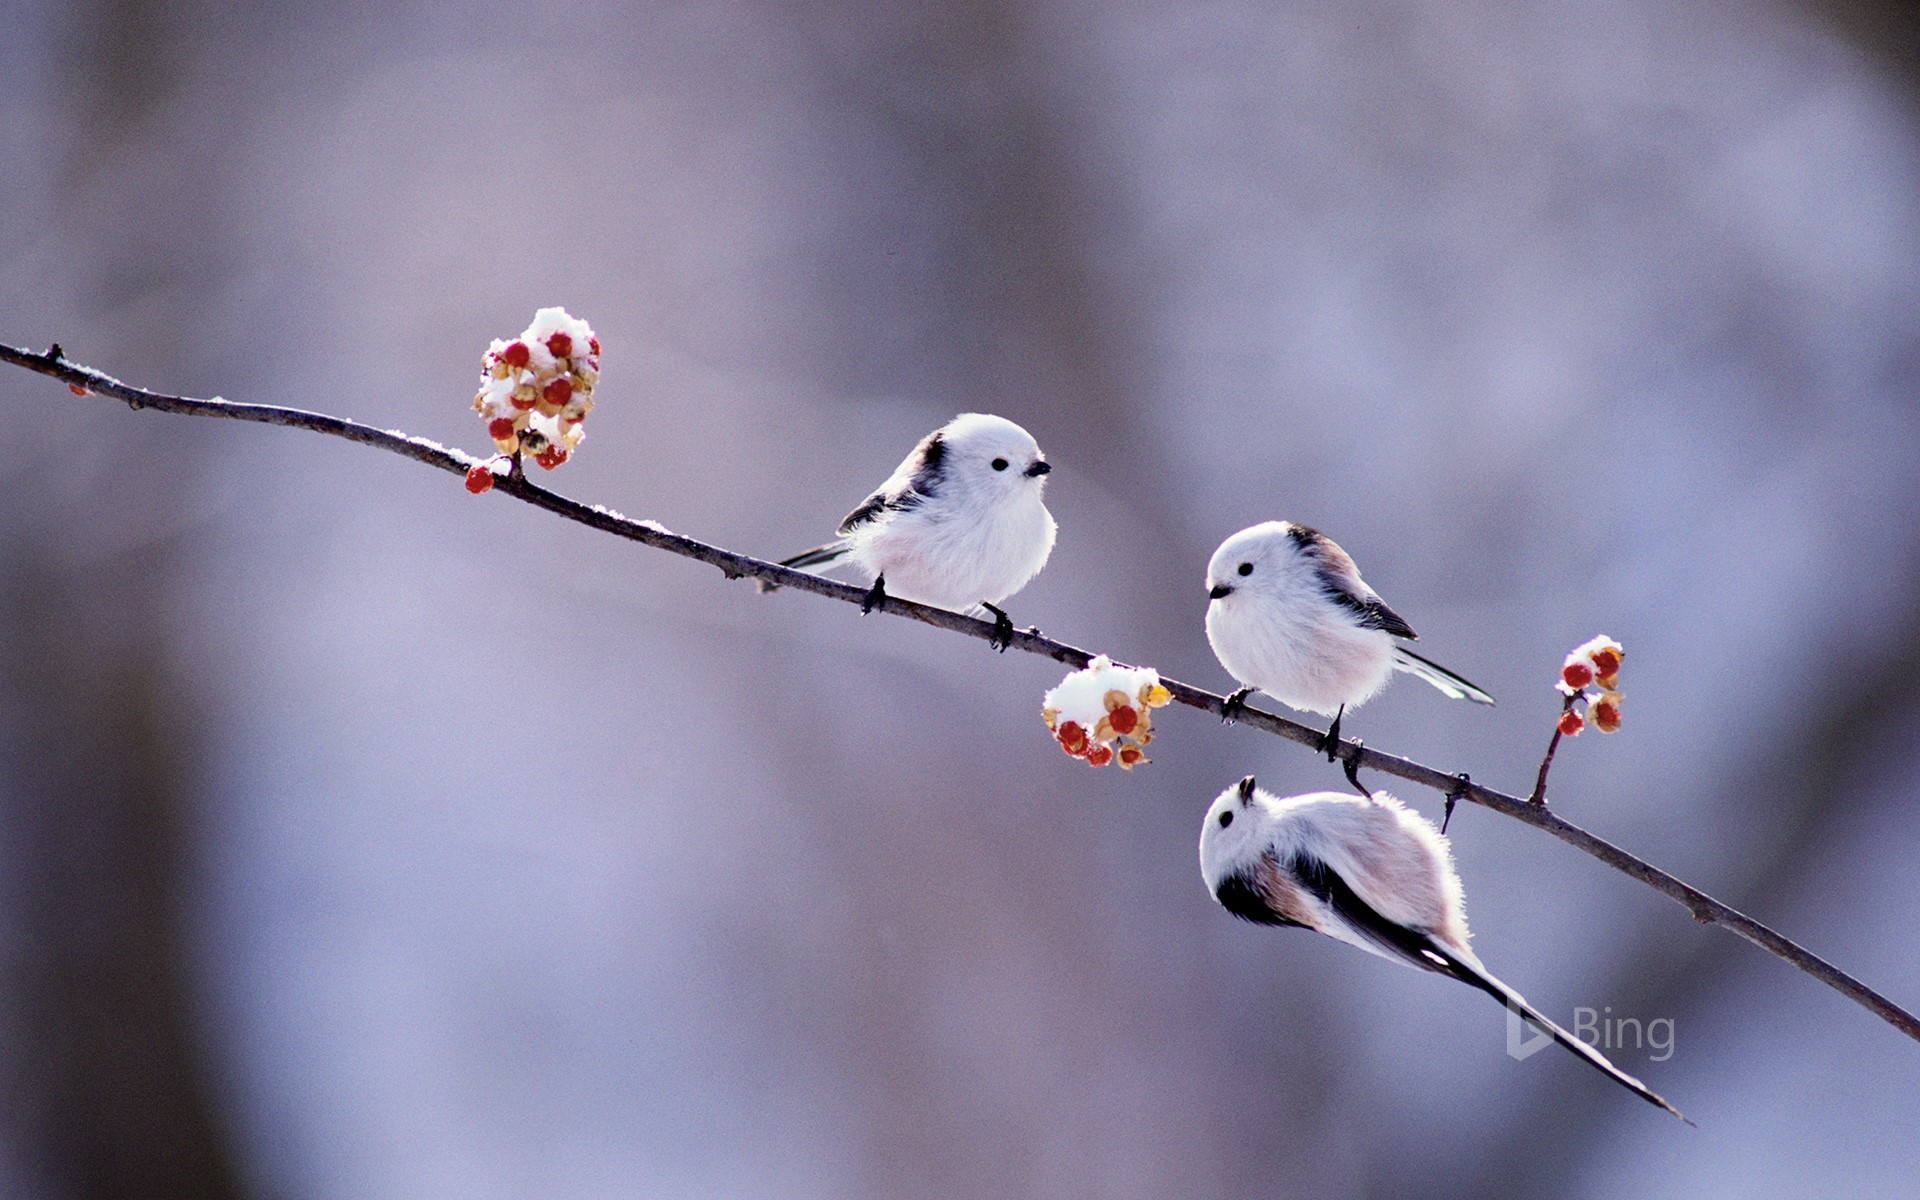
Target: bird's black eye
[(999, 464), (1246, 568), (1226, 818)]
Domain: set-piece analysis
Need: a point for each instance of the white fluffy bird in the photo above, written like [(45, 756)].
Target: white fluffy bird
[(1367, 871), (1289, 615), (961, 523)]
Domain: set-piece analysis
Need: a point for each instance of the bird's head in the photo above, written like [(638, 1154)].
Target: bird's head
[(1263, 558), (992, 456), (1230, 836)]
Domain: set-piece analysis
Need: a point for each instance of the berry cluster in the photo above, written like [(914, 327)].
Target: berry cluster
[(1102, 712), (1592, 674), (536, 391)]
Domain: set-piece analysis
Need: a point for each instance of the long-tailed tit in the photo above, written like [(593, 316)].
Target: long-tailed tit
[(1289, 615), (961, 523), (1368, 871)]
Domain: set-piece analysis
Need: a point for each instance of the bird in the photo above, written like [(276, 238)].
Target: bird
[(1289, 615), (1368, 871), (961, 524)]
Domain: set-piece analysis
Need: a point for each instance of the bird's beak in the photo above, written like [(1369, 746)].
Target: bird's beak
[(1220, 591), (1040, 467), (1246, 789)]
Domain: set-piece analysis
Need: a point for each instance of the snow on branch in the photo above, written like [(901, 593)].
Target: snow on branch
[(1704, 908)]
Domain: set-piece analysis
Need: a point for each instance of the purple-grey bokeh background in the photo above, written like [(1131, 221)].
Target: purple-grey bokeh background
[(359, 838)]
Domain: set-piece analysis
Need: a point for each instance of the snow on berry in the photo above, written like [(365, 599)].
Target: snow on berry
[(537, 389), (1571, 724), (1103, 712), (1603, 655)]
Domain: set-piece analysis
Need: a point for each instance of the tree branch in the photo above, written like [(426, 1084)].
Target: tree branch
[(1703, 907)]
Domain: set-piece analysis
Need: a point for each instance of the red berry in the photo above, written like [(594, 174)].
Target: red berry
[(551, 457), (517, 355), (1124, 719), (1571, 724), (1132, 756), (1577, 675), (1606, 716), (593, 346), (1073, 739), (559, 345), (1606, 663), (559, 391), (479, 478), (1099, 756), (500, 428)]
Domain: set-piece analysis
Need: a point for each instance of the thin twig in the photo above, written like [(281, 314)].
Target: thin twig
[(1703, 907), (1539, 795)]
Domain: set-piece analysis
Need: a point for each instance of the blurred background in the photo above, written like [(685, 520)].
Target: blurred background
[(361, 838)]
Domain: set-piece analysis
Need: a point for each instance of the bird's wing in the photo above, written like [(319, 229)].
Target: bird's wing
[(870, 509), (1371, 611), (917, 477), (1340, 582), (1371, 930), (1265, 896), (1423, 950)]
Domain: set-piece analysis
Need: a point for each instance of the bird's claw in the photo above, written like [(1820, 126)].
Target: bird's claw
[(1462, 782), (876, 596), (1234, 706), (1330, 741), (1002, 635), (1352, 769)]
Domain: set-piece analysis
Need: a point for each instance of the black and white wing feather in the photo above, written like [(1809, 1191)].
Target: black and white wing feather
[(917, 479), (1340, 582)]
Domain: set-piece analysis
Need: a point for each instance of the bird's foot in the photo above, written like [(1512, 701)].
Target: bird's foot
[(1461, 783), (876, 596), (1235, 705), (1002, 635), (1352, 769), (1330, 741)]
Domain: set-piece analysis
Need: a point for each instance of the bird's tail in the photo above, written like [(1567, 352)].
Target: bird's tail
[(1469, 971), (1452, 685), (831, 552)]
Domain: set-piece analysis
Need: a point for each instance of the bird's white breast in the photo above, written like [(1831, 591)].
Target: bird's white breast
[(954, 555), (1305, 655)]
